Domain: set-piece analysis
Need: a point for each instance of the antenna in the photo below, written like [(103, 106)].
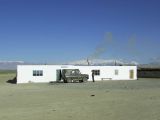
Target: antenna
[(115, 63), (88, 62)]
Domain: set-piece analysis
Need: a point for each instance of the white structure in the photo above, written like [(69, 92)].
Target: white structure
[(48, 73)]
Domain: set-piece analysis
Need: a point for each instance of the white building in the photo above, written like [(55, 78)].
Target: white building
[(48, 73)]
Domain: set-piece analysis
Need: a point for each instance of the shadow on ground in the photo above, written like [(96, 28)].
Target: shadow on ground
[(12, 81)]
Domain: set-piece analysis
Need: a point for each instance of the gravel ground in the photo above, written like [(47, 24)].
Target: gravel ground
[(105, 100)]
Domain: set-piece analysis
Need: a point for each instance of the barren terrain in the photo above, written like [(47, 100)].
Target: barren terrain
[(105, 100)]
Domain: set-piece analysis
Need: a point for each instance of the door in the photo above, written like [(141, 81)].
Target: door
[(58, 75), (131, 74)]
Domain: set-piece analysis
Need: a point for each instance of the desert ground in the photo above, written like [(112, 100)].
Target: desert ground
[(105, 100)]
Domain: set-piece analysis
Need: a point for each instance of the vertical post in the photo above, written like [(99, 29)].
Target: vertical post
[(93, 75), (87, 61)]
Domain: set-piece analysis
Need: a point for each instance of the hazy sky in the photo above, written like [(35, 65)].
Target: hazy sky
[(66, 30)]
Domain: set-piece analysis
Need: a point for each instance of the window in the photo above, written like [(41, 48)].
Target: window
[(37, 72), (96, 72), (40, 73), (34, 72), (116, 72)]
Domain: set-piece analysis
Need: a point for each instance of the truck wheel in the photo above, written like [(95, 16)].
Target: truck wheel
[(65, 81), (69, 81), (84, 79), (80, 81)]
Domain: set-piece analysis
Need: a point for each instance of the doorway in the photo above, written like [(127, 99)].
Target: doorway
[(131, 74), (58, 75)]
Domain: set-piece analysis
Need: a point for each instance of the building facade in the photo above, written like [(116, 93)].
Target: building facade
[(48, 73)]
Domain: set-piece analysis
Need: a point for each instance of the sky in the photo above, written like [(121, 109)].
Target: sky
[(56, 31)]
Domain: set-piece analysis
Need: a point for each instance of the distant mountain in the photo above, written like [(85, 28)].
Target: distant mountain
[(102, 62), (10, 65), (155, 63), (150, 65)]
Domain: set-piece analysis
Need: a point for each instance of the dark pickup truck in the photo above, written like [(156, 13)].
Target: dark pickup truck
[(73, 75)]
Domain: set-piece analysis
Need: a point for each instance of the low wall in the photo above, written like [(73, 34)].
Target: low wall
[(148, 73)]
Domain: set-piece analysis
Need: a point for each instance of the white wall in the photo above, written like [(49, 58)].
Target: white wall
[(108, 72), (25, 72)]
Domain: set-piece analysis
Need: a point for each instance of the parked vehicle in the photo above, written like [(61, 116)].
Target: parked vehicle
[(73, 75)]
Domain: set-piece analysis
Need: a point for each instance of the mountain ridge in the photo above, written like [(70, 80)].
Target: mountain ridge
[(12, 65)]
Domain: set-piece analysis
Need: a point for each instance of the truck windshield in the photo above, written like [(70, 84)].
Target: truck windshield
[(73, 72)]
